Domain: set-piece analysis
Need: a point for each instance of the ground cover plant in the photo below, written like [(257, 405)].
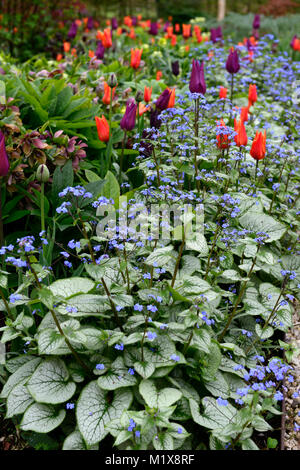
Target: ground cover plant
[(149, 236)]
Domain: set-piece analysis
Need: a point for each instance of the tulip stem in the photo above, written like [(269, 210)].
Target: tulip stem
[(43, 206), (231, 88), (110, 131), (196, 143), (1, 221), (256, 168), (121, 159)]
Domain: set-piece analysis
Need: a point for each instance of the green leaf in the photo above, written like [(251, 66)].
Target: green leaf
[(163, 441), (94, 411), (62, 177), (198, 243), (50, 382), (111, 188), (42, 418), (116, 377), (214, 416), (74, 441), (21, 375), (256, 222), (145, 369), (73, 286), (148, 391), (167, 397), (18, 400)]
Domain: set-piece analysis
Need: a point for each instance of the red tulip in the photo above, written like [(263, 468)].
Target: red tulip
[(222, 92), (252, 94), (241, 137), (136, 58), (258, 149), (147, 94), (222, 138), (102, 128)]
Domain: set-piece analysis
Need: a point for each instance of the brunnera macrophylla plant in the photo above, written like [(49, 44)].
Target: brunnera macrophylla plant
[(151, 315), (133, 344)]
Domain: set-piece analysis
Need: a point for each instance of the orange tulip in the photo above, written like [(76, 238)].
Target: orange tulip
[(67, 46), (169, 32), (136, 58), (147, 94), (187, 48), (105, 37), (158, 75), (59, 57), (244, 113), (102, 128), (177, 28), (252, 95), (241, 137), (142, 109), (173, 40), (91, 54), (107, 93), (222, 139), (74, 52), (186, 30), (222, 92), (78, 22), (171, 102), (128, 21), (258, 148)]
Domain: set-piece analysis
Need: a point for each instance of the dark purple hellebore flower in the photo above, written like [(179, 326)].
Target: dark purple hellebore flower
[(163, 100), (256, 22), (232, 63), (73, 30), (197, 81), (175, 68), (128, 120), (4, 163), (100, 50), (153, 29), (114, 23)]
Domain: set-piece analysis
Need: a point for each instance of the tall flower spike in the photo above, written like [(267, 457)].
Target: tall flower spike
[(258, 148), (197, 80), (4, 163)]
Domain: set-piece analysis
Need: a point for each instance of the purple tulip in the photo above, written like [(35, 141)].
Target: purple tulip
[(90, 23), (256, 22), (4, 163), (219, 32), (175, 68), (154, 119), (197, 81), (128, 120), (232, 63), (153, 29), (163, 100), (213, 35), (73, 30), (100, 50), (292, 41), (167, 24), (114, 23), (134, 20)]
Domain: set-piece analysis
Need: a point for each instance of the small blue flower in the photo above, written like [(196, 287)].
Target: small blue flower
[(222, 402), (100, 366)]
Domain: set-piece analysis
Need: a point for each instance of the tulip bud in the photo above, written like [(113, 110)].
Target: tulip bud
[(42, 173), (112, 81), (139, 96), (175, 68), (197, 80)]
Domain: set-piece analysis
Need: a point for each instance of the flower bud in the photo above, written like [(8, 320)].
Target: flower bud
[(139, 96), (112, 81), (42, 173)]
